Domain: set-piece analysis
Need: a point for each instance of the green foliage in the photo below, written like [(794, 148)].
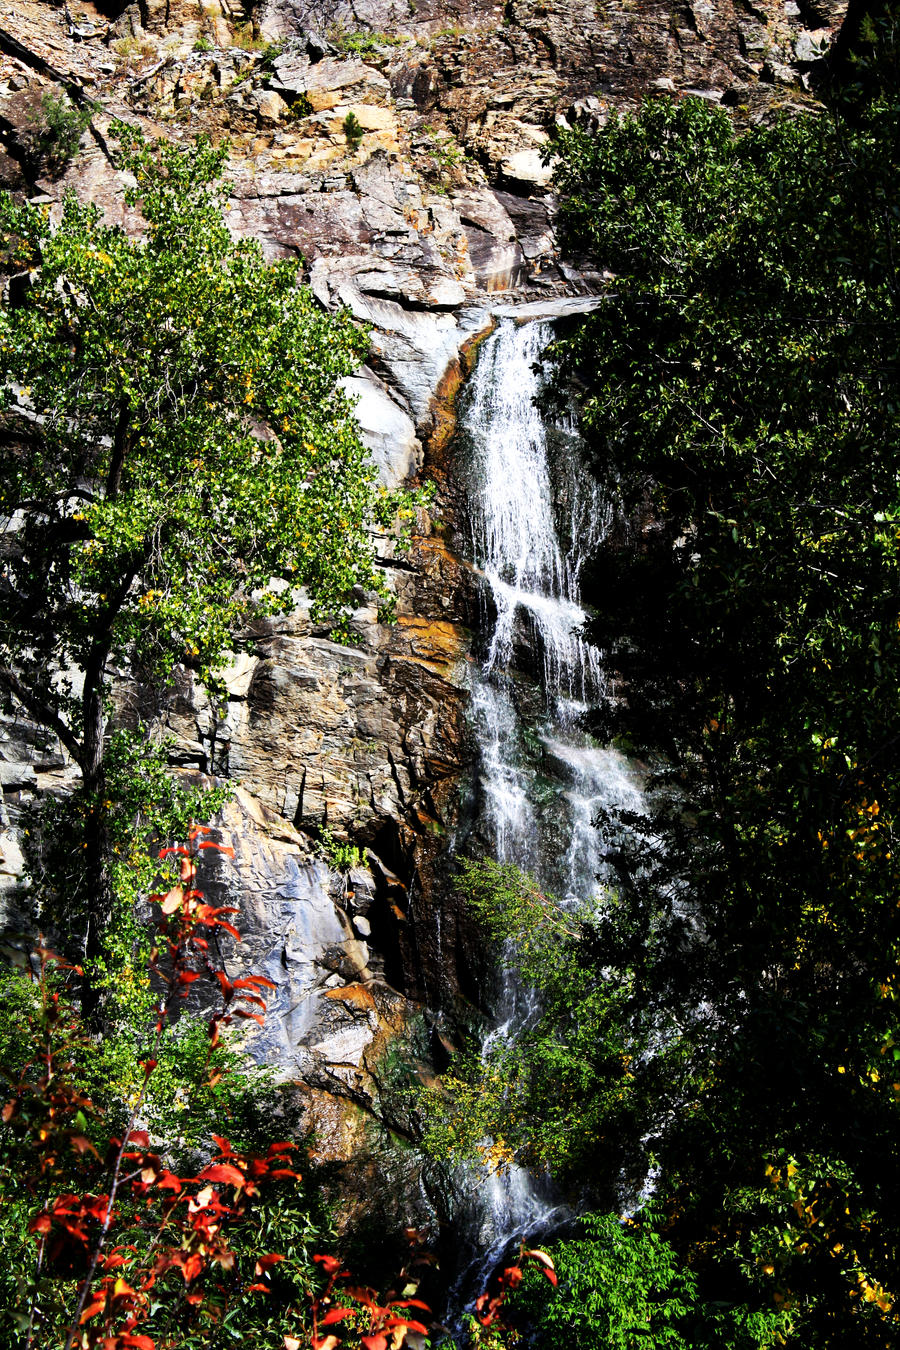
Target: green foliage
[(365, 43), (178, 453), (141, 805), (57, 128), (151, 489), (342, 857), (271, 53), (443, 156), (740, 393), (621, 1285), (54, 1139), (203, 44), (563, 1091), (353, 130), (247, 39), (300, 107)]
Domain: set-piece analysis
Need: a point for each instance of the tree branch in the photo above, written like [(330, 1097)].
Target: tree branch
[(120, 446), (42, 712)]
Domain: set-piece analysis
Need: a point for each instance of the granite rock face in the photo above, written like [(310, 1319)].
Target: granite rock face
[(429, 214)]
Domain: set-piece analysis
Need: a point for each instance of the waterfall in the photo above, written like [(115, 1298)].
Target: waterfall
[(536, 516)]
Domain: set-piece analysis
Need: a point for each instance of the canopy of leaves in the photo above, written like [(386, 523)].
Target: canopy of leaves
[(174, 436), (739, 389), (741, 395), (621, 1285)]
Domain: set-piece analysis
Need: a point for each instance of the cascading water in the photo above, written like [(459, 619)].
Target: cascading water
[(536, 516)]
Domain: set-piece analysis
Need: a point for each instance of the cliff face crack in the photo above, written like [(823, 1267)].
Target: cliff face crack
[(298, 814), (396, 777), (408, 303)]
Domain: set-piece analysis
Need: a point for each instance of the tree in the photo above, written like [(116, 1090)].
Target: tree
[(174, 436), (739, 392)]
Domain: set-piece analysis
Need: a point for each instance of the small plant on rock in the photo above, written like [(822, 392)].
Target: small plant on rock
[(342, 857), (353, 131), (57, 128)]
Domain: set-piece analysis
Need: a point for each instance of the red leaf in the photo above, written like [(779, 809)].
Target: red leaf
[(364, 1296), (255, 979), (172, 900), (278, 1148), (260, 1288), (223, 1145), (168, 1182), (253, 998), (336, 1315), (225, 984), (410, 1303), (254, 1017), (265, 1262), (542, 1257), (374, 1342), (198, 829), (94, 1308), (330, 1264), (139, 1137), (326, 1343), (229, 928), (223, 1172), (192, 1268), (220, 848), (187, 976), (81, 1145)]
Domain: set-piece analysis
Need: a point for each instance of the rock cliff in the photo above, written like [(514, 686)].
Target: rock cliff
[(396, 146)]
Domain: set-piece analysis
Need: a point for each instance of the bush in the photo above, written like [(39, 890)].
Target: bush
[(353, 131), (57, 128)]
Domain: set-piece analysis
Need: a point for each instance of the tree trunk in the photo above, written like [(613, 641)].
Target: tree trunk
[(99, 895)]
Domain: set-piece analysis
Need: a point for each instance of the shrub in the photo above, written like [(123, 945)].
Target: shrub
[(58, 126), (353, 130)]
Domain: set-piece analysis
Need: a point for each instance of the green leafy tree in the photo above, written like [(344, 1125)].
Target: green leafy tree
[(621, 1284), (175, 436), (740, 393)]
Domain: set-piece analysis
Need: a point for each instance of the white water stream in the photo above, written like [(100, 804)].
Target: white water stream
[(536, 516)]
